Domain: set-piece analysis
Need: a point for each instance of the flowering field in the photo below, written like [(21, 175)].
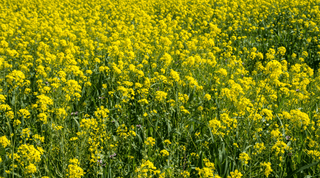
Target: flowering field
[(151, 88)]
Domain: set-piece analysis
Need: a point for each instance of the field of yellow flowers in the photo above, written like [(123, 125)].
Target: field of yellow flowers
[(151, 88)]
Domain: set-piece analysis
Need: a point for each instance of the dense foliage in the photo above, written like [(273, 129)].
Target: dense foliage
[(151, 88)]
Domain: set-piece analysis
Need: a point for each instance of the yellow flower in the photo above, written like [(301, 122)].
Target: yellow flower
[(215, 125), (174, 75), (294, 55), (133, 133), (4, 141), (167, 142), (185, 174), (161, 96), (223, 72), (16, 122), (268, 114), (3, 98), (166, 58), (235, 174), (8, 172), (279, 147), (207, 97), (150, 141), (29, 153), (164, 153), (146, 168), (102, 113), (236, 145), (74, 170), (276, 133), (282, 50), (15, 77), (38, 137), (305, 54), (268, 169), (244, 157), (10, 114), (299, 118), (73, 138), (44, 101), (259, 147), (25, 113), (31, 169), (143, 101), (89, 72), (43, 117), (25, 132)]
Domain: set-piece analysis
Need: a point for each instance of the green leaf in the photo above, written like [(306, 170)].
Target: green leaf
[(303, 168), (16, 174), (75, 119), (2, 151), (13, 99)]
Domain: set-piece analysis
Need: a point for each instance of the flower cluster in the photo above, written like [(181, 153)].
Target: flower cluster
[(137, 88)]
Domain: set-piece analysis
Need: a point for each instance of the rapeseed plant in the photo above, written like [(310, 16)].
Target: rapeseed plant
[(205, 88)]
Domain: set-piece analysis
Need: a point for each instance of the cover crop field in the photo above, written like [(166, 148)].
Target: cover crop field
[(152, 88)]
